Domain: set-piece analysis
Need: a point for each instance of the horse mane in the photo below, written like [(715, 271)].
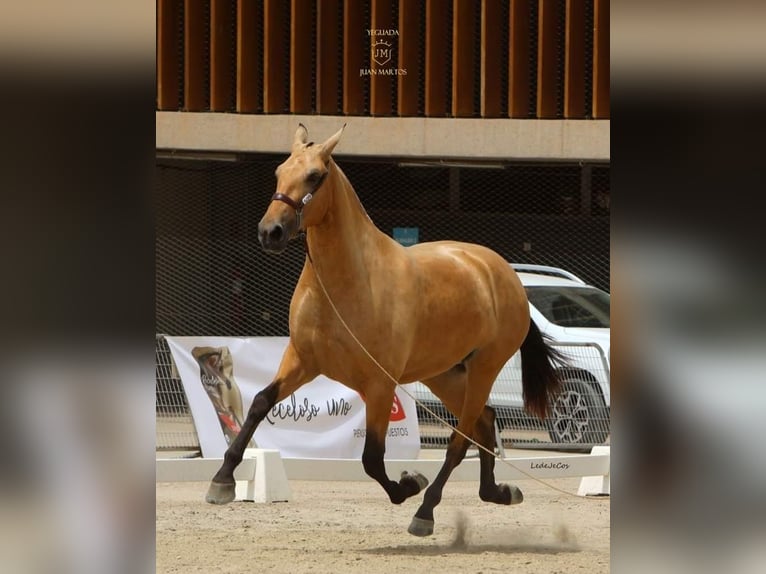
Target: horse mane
[(353, 193)]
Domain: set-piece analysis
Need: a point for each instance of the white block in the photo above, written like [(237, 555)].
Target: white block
[(269, 480), (596, 485)]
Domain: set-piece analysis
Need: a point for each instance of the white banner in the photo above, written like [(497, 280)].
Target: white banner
[(322, 419)]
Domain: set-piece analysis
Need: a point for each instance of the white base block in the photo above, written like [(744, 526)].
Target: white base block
[(269, 482), (595, 485)]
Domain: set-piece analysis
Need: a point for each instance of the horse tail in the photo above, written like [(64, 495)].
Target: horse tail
[(538, 370)]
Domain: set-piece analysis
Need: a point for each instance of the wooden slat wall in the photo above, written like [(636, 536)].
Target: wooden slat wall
[(222, 55), (408, 57), (354, 34), (601, 59), (276, 43), (249, 56), (301, 44), (329, 51), (196, 68), (546, 58), (518, 59), (168, 54), (305, 56), (491, 58), (436, 65), (462, 57), (574, 75), (381, 103)]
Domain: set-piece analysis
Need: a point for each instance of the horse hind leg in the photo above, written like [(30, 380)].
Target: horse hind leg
[(465, 389), (291, 376), (423, 522), (450, 387), (489, 490)]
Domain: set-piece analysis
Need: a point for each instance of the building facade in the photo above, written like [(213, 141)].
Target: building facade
[(484, 121)]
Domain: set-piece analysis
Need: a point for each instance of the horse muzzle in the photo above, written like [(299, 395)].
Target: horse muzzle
[(273, 236)]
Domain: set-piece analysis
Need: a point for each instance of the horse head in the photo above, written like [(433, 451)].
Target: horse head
[(297, 205)]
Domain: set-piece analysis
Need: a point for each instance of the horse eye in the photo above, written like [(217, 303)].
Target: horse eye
[(313, 177)]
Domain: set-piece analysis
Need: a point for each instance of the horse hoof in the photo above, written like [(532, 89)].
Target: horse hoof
[(514, 494), (220, 493), (421, 527), (421, 480)]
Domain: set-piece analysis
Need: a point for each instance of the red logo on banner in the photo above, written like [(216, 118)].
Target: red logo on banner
[(397, 410)]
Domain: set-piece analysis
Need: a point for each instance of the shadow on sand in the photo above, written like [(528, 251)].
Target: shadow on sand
[(452, 548)]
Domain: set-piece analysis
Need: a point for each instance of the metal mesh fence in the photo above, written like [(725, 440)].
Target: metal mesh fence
[(174, 424), (212, 278)]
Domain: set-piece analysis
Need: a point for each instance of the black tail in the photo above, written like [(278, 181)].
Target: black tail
[(538, 371)]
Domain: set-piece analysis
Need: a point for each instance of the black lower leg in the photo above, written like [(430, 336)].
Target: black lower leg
[(433, 496), (372, 460), (489, 490), (262, 404)]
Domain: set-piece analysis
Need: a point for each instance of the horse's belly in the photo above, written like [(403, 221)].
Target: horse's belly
[(446, 343)]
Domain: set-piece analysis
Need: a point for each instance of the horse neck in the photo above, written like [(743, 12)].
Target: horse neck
[(346, 237)]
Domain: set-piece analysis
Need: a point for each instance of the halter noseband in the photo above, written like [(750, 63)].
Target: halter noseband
[(298, 207)]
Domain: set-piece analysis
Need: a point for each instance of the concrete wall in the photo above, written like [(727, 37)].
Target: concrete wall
[(439, 138)]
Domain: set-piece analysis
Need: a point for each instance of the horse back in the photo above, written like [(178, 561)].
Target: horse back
[(452, 271)]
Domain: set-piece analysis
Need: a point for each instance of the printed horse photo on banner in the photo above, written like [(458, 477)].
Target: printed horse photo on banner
[(373, 314), (217, 376)]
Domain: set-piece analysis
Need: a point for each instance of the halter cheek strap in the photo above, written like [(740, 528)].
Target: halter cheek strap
[(298, 207)]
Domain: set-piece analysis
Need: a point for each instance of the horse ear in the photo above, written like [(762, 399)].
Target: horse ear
[(330, 144), (301, 135)]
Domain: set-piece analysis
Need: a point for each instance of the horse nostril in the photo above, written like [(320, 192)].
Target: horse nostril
[(276, 233)]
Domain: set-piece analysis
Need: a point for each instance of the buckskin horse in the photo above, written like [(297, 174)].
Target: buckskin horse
[(446, 313)]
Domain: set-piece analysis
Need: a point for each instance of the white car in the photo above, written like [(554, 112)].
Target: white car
[(575, 316)]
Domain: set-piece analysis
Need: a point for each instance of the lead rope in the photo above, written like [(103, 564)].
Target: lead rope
[(424, 407)]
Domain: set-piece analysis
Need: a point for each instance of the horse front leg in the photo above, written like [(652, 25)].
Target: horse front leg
[(291, 375), (378, 414)]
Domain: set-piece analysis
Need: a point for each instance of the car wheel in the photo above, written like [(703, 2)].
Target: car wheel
[(578, 415)]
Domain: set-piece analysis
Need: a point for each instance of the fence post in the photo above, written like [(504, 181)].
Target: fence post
[(595, 485)]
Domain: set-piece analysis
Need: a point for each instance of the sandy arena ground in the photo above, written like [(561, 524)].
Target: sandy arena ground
[(350, 527)]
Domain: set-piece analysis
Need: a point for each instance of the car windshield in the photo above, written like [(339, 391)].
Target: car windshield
[(571, 306)]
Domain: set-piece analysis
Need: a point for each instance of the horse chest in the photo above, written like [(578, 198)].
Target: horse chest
[(322, 340)]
